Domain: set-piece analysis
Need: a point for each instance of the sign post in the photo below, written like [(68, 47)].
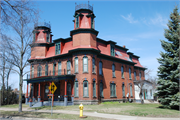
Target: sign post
[(52, 88)]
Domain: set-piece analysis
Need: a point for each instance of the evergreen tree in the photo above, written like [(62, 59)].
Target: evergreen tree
[(168, 71)]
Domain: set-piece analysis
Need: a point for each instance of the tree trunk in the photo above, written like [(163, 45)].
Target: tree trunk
[(140, 95), (20, 91)]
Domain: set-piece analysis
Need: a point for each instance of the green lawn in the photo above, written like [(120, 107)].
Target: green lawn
[(133, 109), (45, 115)]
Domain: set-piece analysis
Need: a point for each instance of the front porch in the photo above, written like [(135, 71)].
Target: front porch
[(39, 90)]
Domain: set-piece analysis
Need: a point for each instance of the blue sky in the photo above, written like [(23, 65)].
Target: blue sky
[(139, 25)]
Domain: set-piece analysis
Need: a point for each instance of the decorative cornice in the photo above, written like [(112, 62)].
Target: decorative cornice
[(50, 78), (77, 31), (115, 59), (141, 68)]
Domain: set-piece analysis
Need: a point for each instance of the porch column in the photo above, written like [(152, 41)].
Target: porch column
[(39, 92), (72, 92), (33, 92), (27, 94), (65, 94)]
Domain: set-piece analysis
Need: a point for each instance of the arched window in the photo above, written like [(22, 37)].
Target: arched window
[(135, 75), (113, 89), (140, 76), (101, 89), (113, 70), (131, 90), (123, 89), (32, 72), (122, 71), (76, 64), (94, 88), (39, 72), (100, 68), (93, 65), (76, 89), (85, 89), (59, 68), (68, 67), (85, 64), (129, 73), (46, 70)]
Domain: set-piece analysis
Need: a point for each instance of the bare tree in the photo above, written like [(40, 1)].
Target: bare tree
[(5, 70), (153, 80), (3, 74), (17, 47), (140, 84)]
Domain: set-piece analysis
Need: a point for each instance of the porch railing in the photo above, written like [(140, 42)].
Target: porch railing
[(37, 74)]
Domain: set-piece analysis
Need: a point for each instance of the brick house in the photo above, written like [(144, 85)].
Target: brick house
[(86, 69)]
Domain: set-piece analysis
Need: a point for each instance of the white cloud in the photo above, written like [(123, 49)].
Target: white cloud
[(129, 18), (157, 20)]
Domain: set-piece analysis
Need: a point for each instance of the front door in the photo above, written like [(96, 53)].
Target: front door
[(57, 92), (69, 91)]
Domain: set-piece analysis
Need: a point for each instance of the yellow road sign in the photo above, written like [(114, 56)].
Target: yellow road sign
[(52, 88)]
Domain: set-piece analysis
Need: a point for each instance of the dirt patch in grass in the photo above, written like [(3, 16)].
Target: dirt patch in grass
[(12, 114)]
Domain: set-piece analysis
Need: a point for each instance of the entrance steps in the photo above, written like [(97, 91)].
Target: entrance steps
[(37, 104), (147, 101)]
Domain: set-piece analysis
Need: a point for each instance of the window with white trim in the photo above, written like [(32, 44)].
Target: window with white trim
[(32, 72), (101, 89), (122, 71), (85, 64), (46, 70), (76, 64), (113, 89), (93, 65), (85, 89), (94, 88), (113, 70), (134, 75), (39, 72), (59, 68), (68, 67), (129, 73), (100, 68), (131, 90), (76, 89), (58, 48), (123, 90)]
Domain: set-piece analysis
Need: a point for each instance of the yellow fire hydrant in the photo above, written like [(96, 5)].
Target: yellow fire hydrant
[(81, 110)]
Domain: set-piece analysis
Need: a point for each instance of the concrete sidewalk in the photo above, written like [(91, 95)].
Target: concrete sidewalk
[(93, 114)]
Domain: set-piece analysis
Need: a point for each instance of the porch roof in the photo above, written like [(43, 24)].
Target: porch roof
[(50, 78)]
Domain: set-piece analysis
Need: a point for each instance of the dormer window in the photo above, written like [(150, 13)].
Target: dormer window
[(77, 21), (112, 51), (58, 48), (130, 57)]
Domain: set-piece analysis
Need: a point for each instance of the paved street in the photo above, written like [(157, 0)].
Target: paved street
[(93, 114)]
